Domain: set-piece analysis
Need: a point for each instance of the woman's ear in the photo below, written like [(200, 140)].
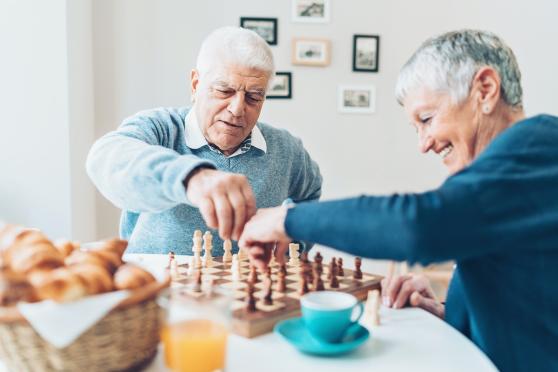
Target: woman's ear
[(486, 84)]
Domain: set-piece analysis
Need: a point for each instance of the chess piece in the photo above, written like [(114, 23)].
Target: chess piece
[(268, 300), (242, 254), (304, 256), (281, 285), (283, 269), (227, 249), (253, 276), (372, 308), (197, 281), (358, 273), (191, 266), (197, 248), (333, 282), (171, 258), (318, 283), (332, 264), (340, 271), (175, 275), (318, 258), (303, 284), (250, 299), (308, 271), (235, 269), (293, 253), (207, 247)]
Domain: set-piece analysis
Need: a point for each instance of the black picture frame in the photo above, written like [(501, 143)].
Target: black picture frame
[(366, 60), (281, 92), (265, 27)]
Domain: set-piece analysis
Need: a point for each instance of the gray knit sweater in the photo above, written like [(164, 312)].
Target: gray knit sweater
[(140, 168)]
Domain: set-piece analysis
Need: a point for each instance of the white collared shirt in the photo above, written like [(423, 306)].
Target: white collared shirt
[(195, 138)]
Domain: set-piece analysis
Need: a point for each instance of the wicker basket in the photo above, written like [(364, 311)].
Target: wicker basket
[(125, 339)]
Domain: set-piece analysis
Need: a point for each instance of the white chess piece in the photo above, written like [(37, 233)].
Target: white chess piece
[(175, 275), (371, 315), (293, 254), (208, 247), (197, 248), (227, 248), (235, 269), (191, 266), (241, 254)]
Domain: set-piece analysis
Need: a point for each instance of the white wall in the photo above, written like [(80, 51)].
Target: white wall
[(143, 51), (41, 177)]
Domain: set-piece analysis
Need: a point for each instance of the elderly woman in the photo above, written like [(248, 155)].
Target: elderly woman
[(496, 214)]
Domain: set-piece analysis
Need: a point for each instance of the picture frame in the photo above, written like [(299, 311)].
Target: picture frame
[(366, 53), (357, 99), (281, 86), (265, 27), (310, 11), (311, 52)]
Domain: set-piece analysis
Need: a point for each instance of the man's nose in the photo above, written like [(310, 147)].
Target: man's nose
[(237, 104), (425, 141)]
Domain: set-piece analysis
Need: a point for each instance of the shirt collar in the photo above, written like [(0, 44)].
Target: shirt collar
[(195, 138)]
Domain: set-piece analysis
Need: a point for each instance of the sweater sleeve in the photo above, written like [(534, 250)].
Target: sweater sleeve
[(464, 218), (306, 184), (135, 169)]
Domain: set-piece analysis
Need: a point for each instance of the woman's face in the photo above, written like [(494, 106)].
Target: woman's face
[(449, 130)]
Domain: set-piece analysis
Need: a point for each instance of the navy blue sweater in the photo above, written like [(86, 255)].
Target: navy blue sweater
[(498, 218)]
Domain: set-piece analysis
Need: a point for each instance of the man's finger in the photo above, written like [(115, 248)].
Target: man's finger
[(224, 216), (280, 250), (207, 210), (407, 288), (238, 203), (393, 289)]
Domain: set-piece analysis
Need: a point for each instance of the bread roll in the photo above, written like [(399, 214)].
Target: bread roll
[(129, 276), (96, 279), (15, 287), (61, 285)]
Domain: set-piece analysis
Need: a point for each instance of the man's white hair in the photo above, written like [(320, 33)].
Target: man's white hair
[(448, 63), (235, 46)]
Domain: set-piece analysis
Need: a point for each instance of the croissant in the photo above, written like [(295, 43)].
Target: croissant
[(14, 287), (129, 276), (115, 245), (96, 279), (66, 247), (61, 285), (110, 261), (23, 257)]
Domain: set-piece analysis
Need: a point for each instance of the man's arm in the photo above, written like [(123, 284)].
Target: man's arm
[(132, 168), (306, 183)]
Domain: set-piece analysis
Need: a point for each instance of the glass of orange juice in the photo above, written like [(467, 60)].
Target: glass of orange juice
[(195, 328)]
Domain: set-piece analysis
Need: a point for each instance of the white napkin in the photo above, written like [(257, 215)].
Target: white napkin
[(62, 323)]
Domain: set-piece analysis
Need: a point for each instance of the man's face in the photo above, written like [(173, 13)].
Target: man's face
[(228, 101), (448, 129)]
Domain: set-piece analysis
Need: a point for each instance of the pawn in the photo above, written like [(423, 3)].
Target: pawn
[(333, 282), (253, 276), (268, 299), (318, 283), (191, 266), (318, 258), (235, 269), (358, 273), (171, 258), (227, 248), (340, 271), (197, 281), (281, 284), (332, 266), (250, 299), (175, 275), (303, 289)]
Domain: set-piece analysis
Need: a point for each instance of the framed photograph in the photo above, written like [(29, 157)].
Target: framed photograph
[(311, 52), (357, 99), (310, 11), (366, 51), (281, 86), (265, 27)]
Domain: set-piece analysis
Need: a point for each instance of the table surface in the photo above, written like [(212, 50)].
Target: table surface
[(407, 339)]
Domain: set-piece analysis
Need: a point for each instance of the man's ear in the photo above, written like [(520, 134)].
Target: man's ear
[(486, 84), (194, 81)]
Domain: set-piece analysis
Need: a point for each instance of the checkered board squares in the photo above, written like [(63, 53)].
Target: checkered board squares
[(285, 305)]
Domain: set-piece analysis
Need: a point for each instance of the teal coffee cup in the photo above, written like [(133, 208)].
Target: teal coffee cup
[(328, 315)]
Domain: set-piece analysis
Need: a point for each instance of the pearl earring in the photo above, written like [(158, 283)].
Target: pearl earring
[(486, 109)]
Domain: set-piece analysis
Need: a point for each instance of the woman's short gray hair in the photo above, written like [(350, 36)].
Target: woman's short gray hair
[(448, 63), (235, 45)]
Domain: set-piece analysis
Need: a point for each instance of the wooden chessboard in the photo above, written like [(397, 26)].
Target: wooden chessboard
[(285, 305)]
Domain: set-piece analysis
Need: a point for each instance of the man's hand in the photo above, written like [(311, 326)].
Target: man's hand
[(262, 233), (413, 290), (225, 200)]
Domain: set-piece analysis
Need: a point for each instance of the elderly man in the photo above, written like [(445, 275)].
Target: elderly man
[(496, 215), (174, 170)]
